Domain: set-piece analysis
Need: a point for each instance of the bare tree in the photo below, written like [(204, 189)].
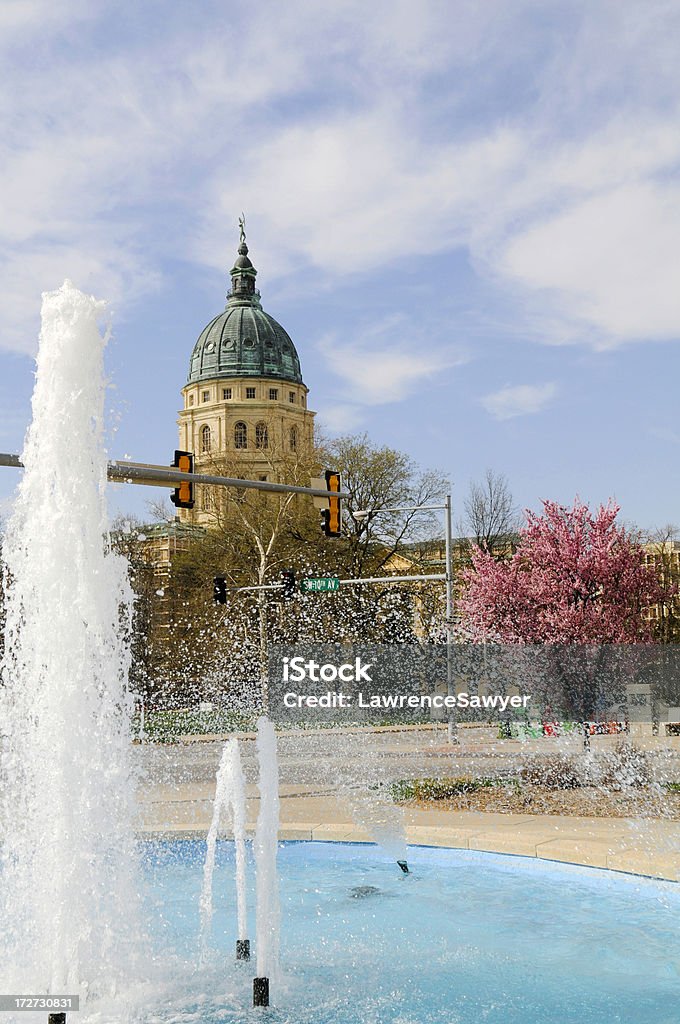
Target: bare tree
[(249, 537), (382, 478), (491, 517), (248, 529), (128, 538)]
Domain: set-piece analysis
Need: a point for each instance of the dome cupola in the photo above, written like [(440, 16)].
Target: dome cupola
[(243, 340)]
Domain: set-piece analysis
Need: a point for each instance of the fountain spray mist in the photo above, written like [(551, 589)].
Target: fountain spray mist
[(68, 871)]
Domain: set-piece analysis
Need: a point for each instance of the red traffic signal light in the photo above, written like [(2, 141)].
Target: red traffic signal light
[(183, 496), (331, 517)]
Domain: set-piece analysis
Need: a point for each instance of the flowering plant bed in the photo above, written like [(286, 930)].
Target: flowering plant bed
[(515, 796)]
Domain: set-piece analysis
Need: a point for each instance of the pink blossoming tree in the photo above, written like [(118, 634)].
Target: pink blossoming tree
[(577, 577)]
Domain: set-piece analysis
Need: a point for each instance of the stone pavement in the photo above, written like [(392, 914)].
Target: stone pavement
[(641, 846)]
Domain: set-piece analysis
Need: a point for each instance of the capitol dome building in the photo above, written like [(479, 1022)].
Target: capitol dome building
[(245, 402)]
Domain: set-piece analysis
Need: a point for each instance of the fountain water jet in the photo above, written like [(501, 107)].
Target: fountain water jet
[(266, 845), (230, 797), (68, 881)]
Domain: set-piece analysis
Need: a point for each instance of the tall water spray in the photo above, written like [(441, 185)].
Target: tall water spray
[(230, 798), (68, 884), (266, 840)]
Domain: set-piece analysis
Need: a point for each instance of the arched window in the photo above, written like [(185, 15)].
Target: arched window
[(206, 440), (208, 501), (293, 439), (240, 435), (261, 435)]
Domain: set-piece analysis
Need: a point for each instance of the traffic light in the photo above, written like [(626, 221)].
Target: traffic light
[(220, 590), (288, 581), (183, 496), (331, 516)]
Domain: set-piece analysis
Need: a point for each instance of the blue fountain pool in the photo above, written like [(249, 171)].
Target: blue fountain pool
[(466, 937)]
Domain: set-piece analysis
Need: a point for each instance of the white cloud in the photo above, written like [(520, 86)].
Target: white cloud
[(96, 264), (21, 17), (577, 230), (355, 192), (665, 434), (518, 400), (386, 362), (161, 138), (352, 137), (611, 263), (379, 377), (339, 417)]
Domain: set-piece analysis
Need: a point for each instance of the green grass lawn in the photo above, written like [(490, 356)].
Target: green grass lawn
[(167, 726)]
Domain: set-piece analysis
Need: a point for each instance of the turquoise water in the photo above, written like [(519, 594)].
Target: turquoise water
[(464, 938)]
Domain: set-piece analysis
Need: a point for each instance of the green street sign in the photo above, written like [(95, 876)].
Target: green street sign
[(320, 584)]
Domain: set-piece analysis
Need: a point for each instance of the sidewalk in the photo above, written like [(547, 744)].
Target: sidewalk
[(640, 846)]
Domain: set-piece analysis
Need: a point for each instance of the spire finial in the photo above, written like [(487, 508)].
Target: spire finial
[(243, 272)]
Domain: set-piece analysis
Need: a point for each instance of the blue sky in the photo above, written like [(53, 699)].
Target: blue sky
[(467, 216)]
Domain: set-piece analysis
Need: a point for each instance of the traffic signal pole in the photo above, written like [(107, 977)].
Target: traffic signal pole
[(151, 475), (159, 476), (452, 727)]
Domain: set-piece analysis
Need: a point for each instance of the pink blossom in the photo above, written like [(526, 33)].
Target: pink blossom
[(576, 577)]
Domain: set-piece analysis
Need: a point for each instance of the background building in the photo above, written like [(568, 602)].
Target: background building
[(245, 402), (662, 554)]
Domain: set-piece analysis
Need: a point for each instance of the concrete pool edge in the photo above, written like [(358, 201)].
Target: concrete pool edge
[(585, 851)]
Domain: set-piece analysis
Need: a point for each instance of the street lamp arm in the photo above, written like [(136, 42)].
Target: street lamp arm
[(366, 513)]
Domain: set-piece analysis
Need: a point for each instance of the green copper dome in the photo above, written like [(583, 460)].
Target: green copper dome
[(244, 341)]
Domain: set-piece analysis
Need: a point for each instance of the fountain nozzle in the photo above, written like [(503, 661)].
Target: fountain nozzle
[(404, 866), (260, 991)]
